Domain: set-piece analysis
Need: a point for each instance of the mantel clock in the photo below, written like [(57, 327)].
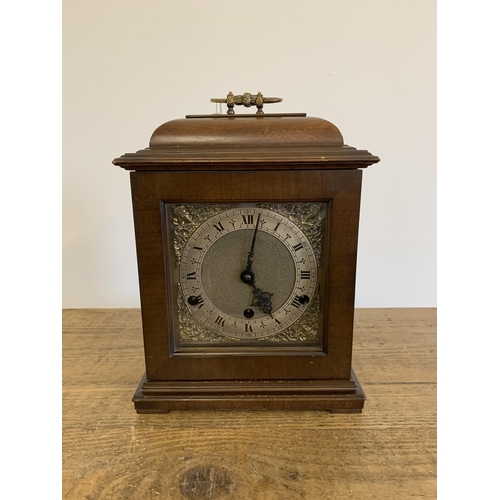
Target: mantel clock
[(246, 229)]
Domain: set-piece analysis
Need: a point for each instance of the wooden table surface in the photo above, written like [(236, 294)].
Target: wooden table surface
[(387, 452)]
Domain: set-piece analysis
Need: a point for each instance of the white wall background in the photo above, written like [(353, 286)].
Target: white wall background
[(367, 66)]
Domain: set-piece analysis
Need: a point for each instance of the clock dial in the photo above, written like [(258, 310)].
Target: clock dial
[(248, 273)]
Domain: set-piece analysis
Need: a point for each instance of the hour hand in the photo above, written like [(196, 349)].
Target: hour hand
[(262, 300)]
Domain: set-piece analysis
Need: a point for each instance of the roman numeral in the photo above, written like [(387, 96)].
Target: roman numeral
[(277, 226), (296, 302), (200, 302), (191, 276), (220, 320), (219, 226), (198, 248), (247, 219), (248, 327), (298, 247), (276, 321), (305, 275)]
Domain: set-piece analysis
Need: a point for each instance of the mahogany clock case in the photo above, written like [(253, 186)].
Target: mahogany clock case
[(235, 160)]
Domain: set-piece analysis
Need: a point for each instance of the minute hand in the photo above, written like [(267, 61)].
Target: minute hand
[(250, 254), (261, 299)]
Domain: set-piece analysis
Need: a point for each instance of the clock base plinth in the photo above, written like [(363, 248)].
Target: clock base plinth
[(336, 396)]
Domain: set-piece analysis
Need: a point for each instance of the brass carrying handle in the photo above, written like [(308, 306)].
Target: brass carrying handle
[(246, 100)]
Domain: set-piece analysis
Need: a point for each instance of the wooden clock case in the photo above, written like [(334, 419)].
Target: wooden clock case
[(235, 159)]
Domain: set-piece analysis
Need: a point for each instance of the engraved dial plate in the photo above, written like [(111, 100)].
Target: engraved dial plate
[(278, 246), (283, 266)]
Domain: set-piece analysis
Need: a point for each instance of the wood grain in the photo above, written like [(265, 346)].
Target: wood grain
[(246, 143), (342, 188), (388, 452), (270, 159)]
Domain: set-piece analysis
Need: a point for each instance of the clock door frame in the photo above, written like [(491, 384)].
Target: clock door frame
[(341, 188)]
